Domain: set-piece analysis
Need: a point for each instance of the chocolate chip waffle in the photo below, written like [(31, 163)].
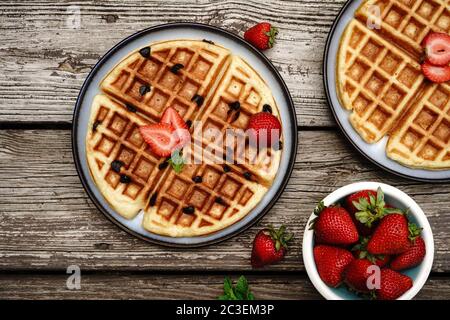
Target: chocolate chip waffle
[(178, 73), (120, 162), (378, 71), (240, 94), (206, 85)]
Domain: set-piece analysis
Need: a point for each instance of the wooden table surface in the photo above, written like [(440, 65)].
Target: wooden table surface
[(47, 221)]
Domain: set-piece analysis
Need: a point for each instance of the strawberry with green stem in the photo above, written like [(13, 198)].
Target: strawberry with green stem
[(261, 35), (270, 246), (368, 207)]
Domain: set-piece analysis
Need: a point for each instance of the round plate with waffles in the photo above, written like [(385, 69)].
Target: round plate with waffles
[(215, 82), (375, 87)]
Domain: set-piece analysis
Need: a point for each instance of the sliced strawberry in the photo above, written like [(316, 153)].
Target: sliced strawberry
[(436, 74), (172, 117), (160, 138), (437, 48)]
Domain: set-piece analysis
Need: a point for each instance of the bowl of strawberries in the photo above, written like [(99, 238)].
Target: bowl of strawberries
[(368, 240)]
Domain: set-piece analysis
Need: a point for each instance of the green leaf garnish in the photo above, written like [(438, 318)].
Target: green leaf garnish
[(177, 161), (240, 292)]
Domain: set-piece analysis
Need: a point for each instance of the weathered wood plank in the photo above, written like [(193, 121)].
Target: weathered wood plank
[(143, 286), (48, 222), (44, 62)]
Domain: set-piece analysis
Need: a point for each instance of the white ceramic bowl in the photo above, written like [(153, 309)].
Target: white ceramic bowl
[(394, 197)]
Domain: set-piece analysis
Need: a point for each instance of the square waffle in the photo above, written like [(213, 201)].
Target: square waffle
[(379, 77), (207, 195)]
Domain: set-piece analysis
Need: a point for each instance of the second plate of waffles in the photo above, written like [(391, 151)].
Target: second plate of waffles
[(378, 93), (206, 84)]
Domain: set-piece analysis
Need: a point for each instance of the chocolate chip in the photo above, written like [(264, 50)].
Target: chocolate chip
[(116, 165), (124, 178), (189, 210), (226, 168), (267, 108), (197, 179), (176, 67), (130, 107), (208, 41), (234, 105), (95, 125), (189, 123), (145, 52), (247, 175), (219, 200), (144, 89), (198, 99), (163, 165), (152, 201), (278, 146)]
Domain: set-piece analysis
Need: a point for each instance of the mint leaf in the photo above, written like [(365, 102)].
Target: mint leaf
[(240, 292), (176, 161)]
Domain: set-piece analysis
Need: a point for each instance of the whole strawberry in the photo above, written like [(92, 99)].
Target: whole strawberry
[(334, 226), (367, 207), (264, 125), (357, 273), (411, 257), (261, 35), (360, 252), (269, 246), (357, 198), (391, 236), (331, 263), (392, 285)]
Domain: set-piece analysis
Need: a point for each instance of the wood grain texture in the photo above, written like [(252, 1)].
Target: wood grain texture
[(142, 286), (44, 61), (47, 221)]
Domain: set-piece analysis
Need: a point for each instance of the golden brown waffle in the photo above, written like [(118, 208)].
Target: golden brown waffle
[(422, 138), (375, 80), (407, 22), (206, 196), (378, 71)]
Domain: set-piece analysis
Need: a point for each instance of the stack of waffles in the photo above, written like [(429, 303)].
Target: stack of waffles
[(380, 80), (213, 91)]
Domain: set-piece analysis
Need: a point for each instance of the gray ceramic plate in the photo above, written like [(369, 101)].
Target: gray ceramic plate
[(374, 152), (187, 31)]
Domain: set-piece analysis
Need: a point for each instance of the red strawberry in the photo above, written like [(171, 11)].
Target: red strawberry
[(172, 117), (261, 35), (393, 285), (357, 273), (160, 138), (411, 257), (334, 226), (436, 74), (269, 246), (264, 125), (360, 252), (437, 48), (391, 236), (331, 263)]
